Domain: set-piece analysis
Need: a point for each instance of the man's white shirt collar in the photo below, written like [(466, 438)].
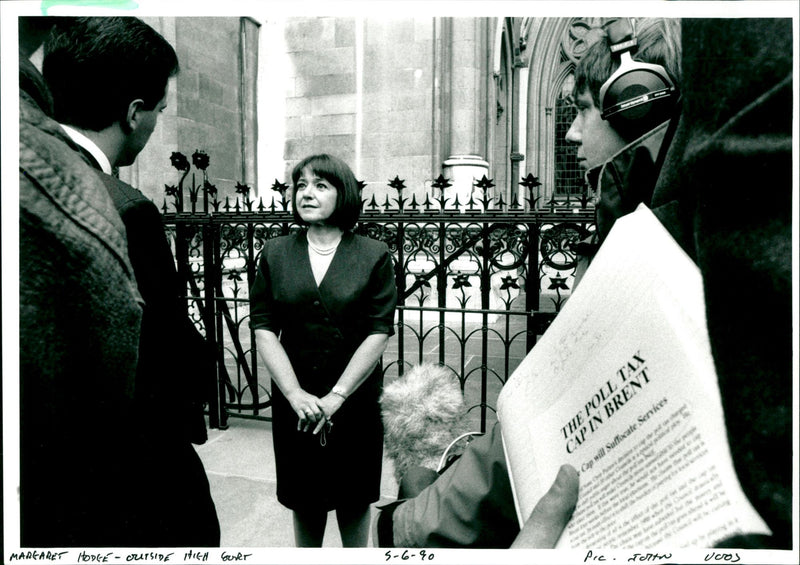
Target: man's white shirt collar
[(90, 146)]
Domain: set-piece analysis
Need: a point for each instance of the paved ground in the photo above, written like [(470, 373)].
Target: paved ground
[(240, 465)]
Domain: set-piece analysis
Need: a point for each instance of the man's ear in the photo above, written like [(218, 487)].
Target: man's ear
[(133, 115)]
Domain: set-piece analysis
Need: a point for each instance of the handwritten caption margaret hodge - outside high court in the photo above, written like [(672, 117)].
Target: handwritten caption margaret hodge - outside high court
[(95, 556)]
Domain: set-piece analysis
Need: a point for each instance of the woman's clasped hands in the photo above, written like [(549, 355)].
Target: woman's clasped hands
[(314, 413)]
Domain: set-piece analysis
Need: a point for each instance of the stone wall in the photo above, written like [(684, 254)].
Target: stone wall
[(364, 94), (203, 108)]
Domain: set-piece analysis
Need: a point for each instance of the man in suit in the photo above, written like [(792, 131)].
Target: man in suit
[(109, 78)]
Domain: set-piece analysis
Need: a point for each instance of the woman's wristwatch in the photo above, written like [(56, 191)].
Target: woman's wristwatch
[(339, 391)]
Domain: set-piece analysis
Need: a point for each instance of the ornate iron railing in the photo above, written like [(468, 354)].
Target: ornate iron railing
[(478, 281)]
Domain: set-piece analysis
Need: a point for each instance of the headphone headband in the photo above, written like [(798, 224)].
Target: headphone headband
[(637, 96)]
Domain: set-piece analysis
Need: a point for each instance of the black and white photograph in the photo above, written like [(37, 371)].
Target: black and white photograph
[(400, 282)]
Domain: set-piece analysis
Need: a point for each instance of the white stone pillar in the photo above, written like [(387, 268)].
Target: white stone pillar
[(464, 171)]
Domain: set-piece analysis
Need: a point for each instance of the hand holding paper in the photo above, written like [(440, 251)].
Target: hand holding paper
[(550, 516), (622, 386)]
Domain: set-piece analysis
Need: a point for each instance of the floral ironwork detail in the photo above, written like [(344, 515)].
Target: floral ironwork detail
[(557, 245), (460, 280), (279, 186), (200, 160), (422, 280), (509, 282), (460, 262), (558, 282), (179, 161), (484, 183), (397, 184), (531, 182), (441, 183)]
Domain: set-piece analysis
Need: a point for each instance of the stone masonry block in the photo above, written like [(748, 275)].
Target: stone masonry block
[(375, 144), (338, 124), (303, 34), (345, 32), (210, 89), (339, 60), (322, 85), (230, 97), (411, 100), (389, 31), (298, 106), (406, 120), (375, 103), (377, 80), (340, 145), (373, 122), (411, 143), (338, 104), (187, 83), (466, 28), (411, 55), (296, 149), (188, 106), (225, 120), (294, 126)]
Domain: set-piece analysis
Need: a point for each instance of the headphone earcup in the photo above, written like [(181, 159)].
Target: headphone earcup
[(637, 100)]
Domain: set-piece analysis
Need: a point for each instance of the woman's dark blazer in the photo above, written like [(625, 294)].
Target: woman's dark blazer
[(320, 328)]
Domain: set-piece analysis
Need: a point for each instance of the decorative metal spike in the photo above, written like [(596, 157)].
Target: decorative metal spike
[(397, 184), (278, 186), (441, 183)]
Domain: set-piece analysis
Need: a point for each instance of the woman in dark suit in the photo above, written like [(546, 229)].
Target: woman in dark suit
[(322, 306)]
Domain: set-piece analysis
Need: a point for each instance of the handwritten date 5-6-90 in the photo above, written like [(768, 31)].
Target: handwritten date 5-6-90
[(405, 555)]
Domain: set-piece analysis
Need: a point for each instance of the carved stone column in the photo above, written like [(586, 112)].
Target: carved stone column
[(465, 146)]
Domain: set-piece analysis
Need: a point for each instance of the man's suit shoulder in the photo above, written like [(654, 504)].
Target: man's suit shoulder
[(124, 195)]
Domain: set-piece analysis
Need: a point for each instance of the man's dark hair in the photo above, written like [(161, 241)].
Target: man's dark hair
[(341, 177), (95, 67)]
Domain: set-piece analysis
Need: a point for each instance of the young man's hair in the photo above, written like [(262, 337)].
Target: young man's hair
[(95, 67), (341, 177), (659, 43)]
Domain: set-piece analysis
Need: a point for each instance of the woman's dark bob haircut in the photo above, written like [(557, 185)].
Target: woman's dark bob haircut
[(336, 172)]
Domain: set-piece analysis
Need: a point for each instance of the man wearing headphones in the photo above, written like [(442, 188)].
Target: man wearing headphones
[(624, 110), (626, 92), (735, 132)]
